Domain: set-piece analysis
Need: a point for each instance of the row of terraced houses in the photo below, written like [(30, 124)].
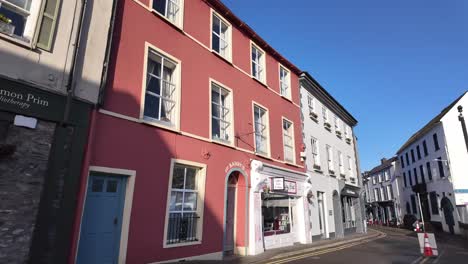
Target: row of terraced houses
[(147, 131)]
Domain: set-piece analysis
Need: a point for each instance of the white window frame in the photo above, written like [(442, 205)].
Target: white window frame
[(228, 40), (289, 135), (179, 21), (284, 83), (380, 177), (382, 193), (175, 124), (350, 167), (315, 151), (325, 115), (267, 129), (31, 17), (374, 181), (340, 163), (389, 193), (311, 104), (201, 177), (330, 164), (337, 123), (376, 194), (258, 63), (347, 132), (230, 108)]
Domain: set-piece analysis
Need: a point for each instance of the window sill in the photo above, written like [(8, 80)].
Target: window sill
[(165, 19), (265, 156), (160, 125), (222, 143), (222, 58), (260, 82), (182, 244), (16, 41), (318, 171), (287, 98)]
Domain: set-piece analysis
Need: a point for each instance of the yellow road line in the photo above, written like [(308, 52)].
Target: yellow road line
[(321, 252)]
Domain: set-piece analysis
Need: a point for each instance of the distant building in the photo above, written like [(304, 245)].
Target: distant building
[(334, 207), (433, 163), (382, 185)]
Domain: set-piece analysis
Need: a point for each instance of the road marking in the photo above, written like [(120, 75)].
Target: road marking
[(417, 260), (324, 251)]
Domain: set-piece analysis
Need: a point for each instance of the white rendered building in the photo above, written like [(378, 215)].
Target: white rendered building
[(433, 163), (334, 208)]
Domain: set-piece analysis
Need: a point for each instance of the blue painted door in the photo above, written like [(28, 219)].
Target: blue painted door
[(102, 220)]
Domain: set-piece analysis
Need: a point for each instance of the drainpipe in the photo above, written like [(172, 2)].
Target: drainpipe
[(71, 84), (110, 35)]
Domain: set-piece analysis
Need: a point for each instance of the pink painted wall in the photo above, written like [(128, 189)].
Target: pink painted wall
[(148, 150)]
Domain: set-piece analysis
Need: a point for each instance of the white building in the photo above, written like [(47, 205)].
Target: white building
[(332, 164), (433, 163), (382, 185)]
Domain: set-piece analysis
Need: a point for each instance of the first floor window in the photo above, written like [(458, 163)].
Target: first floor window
[(376, 195), (261, 130), (311, 103), (404, 179), (350, 167), (315, 152), (441, 167), (340, 163), (288, 141), (220, 113), (389, 192), (171, 9), (184, 215), (429, 172), (330, 159), (160, 94)]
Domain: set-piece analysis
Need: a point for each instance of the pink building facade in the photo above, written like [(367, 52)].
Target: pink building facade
[(196, 147)]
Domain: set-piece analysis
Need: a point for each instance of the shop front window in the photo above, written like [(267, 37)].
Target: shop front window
[(277, 214)]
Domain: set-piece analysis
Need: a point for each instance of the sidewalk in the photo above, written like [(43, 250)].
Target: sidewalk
[(293, 250)]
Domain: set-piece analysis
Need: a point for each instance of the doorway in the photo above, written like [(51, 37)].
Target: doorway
[(322, 215), (102, 219), (339, 232), (235, 232)]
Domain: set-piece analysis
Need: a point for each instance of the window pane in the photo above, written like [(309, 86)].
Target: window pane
[(215, 128), (178, 177), (49, 8), (215, 43), (216, 27), (190, 179), (176, 201), (152, 106), (111, 186), (190, 202), (46, 27), (97, 185), (160, 6)]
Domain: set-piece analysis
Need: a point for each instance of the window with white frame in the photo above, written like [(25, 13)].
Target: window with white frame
[(311, 104), (389, 192), (347, 132), (387, 175), (325, 114), (285, 82), (288, 141), (261, 130), (373, 179), (161, 85), (221, 113), (337, 124), (350, 168), (258, 64), (380, 177), (340, 163), (170, 9), (376, 195), (221, 37), (331, 168), (315, 153), (20, 19), (383, 194), (185, 208)]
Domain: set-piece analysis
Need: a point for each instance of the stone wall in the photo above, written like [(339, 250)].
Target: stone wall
[(23, 167)]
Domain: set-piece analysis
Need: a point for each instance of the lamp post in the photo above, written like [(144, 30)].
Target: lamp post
[(462, 121)]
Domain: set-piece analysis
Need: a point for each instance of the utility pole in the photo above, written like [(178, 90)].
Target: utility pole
[(462, 121), (421, 212)]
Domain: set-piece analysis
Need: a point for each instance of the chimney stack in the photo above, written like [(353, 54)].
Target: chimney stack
[(383, 160)]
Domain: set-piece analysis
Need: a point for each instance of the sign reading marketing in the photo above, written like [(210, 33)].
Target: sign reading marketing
[(278, 184)]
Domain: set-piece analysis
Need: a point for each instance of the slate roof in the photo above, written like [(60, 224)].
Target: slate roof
[(386, 164)]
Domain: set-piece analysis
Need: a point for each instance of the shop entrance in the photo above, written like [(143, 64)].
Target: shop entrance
[(279, 220), (235, 224), (322, 214)]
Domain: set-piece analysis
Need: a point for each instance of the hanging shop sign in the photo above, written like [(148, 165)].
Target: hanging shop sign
[(278, 183)]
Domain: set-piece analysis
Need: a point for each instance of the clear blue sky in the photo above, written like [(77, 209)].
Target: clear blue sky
[(393, 64)]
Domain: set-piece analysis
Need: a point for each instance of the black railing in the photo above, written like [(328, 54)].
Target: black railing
[(182, 229)]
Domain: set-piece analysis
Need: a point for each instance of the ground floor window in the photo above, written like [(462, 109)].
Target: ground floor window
[(349, 215), (277, 214)]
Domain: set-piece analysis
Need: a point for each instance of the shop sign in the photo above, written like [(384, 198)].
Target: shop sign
[(22, 100), (234, 164), (290, 187), (278, 183), (350, 192)]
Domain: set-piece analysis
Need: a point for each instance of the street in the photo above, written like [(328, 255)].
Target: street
[(391, 247)]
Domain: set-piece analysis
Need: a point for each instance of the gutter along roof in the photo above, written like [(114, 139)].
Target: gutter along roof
[(429, 125), (248, 31)]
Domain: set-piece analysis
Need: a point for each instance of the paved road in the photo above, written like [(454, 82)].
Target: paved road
[(391, 247)]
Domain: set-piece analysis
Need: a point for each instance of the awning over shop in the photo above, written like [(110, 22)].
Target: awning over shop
[(349, 190)]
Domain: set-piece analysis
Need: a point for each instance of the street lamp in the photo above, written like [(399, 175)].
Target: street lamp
[(462, 121)]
